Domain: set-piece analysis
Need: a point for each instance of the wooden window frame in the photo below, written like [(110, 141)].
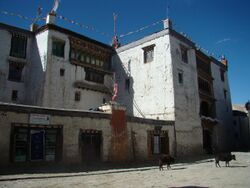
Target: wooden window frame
[(15, 71), (62, 72), (18, 46), (14, 95), (28, 127), (146, 51), (184, 54), (77, 95), (180, 77), (163, 149), (58, 47), (222, 75)]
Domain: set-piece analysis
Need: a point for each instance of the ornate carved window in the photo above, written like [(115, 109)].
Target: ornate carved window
[(94, 76), (204, 86), (88, 54)]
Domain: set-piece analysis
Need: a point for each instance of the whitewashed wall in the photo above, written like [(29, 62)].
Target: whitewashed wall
[(6, 86), (155, 88), (151, 88), (58, 90), (223, 109), (186, 100)]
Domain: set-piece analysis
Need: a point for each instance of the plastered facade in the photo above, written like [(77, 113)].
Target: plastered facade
[(155, 91), (41, 83), (73, 121), (225, 138)]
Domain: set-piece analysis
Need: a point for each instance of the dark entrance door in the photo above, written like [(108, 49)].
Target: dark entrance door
[(91, 146), (207, 141), (36, 144)]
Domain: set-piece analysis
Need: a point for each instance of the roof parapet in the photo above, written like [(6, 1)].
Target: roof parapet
[(51, 18), (167, 24)]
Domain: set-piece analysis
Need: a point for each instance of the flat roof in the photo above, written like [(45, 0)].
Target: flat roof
[(20, 108), (56, 28)]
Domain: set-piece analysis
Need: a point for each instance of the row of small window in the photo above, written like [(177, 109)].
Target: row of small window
[(148, 53), (58, 50), (78, 97), (15, 74), (85, 58), (90, 76)]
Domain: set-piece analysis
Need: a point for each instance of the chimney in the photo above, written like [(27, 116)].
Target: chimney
[(167, 24), (224, 60), (33, 27), (51, 18)]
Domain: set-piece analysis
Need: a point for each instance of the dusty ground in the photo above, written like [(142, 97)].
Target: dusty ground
[(196, 174)]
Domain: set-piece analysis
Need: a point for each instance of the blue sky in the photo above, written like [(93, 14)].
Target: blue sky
[(219, 26)]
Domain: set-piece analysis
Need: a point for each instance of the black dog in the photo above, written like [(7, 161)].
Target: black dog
[(165, 159)]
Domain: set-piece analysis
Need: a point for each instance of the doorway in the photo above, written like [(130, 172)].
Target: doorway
[(207, 141), (91, 146), (36, 145)]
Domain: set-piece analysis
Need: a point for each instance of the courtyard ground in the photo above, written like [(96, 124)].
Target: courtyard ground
[(201, 173)]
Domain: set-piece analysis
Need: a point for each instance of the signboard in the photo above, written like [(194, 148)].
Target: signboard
[(41, 119)]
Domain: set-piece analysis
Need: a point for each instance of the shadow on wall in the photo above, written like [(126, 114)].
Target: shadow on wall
[(36, 76), (125, 83)]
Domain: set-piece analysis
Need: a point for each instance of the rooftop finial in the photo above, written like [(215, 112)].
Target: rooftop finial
[(115, 42), (34, 26), (167, 11), (224, 60)]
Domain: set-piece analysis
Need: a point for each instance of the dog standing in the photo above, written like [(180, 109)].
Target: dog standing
[(224, 157), (166, 159)]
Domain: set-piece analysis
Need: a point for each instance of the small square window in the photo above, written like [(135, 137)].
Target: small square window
[(58, 48), (62, 71), (225, 94), (222, 76), (184, 54), (14, 95), (180, 77), (103, 101), (148, 53), (15, 72), (127, 84), (77, 96)]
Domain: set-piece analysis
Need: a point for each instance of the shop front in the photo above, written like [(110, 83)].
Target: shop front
[(33, 142)]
